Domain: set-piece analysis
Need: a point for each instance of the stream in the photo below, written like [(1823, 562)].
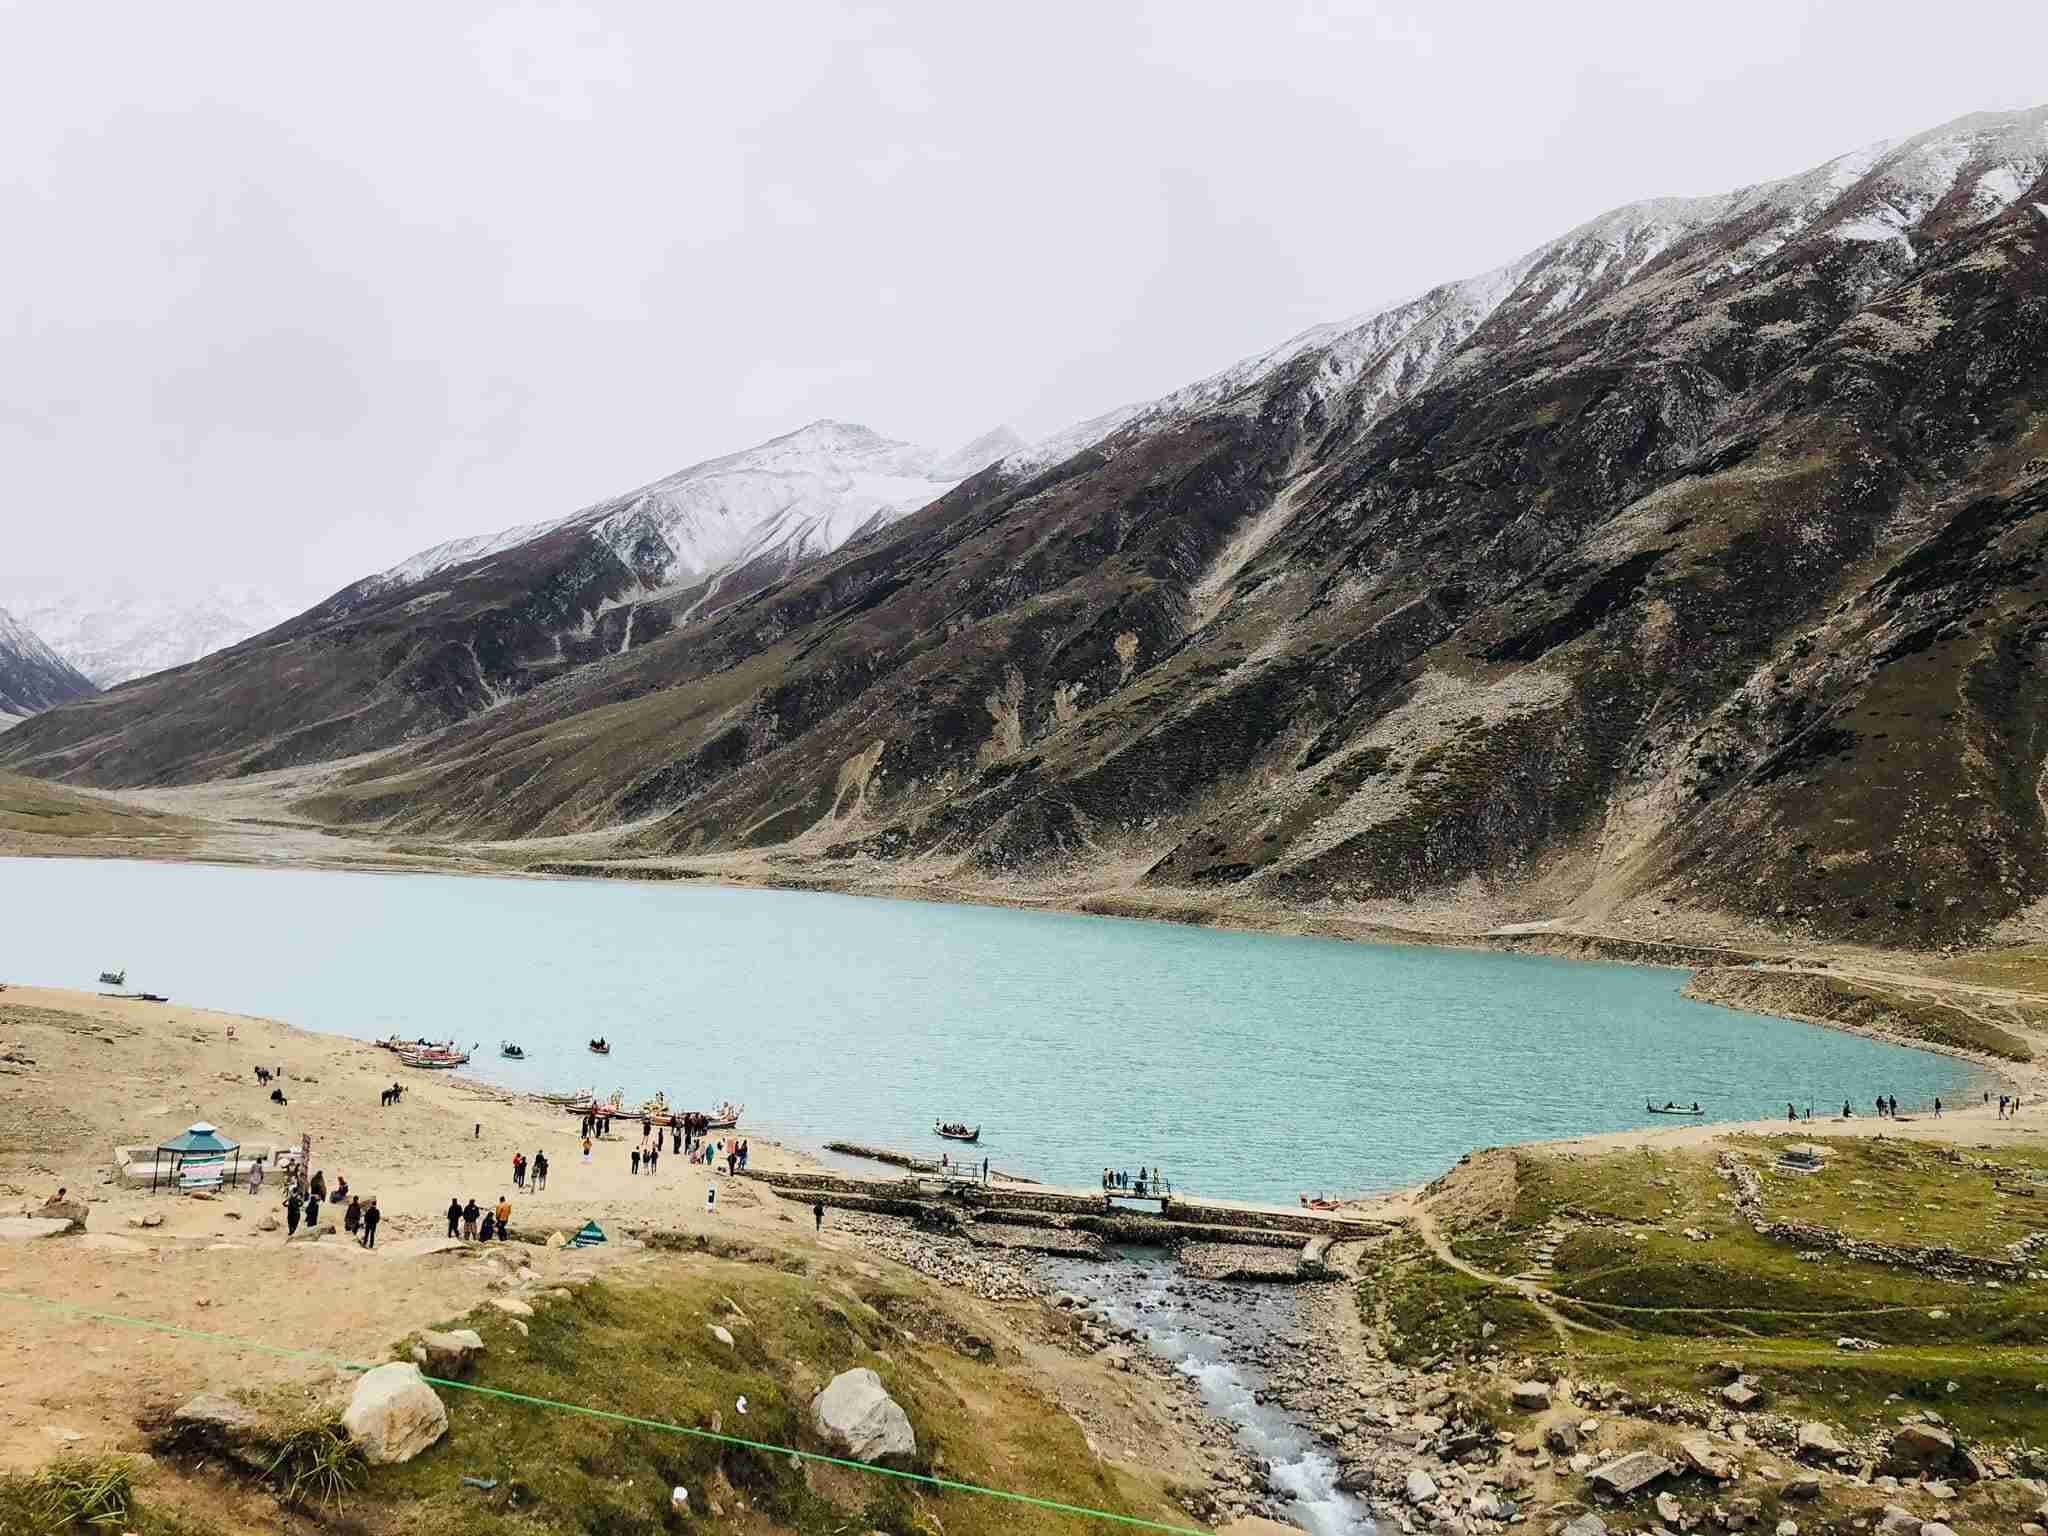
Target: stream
[(1207, 1332)]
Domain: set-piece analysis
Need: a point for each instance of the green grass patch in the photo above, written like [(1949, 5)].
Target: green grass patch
[(1424, 1309), (75, 1495), (1906, 1192), (648, 1351)]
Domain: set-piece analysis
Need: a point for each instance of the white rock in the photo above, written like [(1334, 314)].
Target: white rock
[(1421, 1487), (393, 1415), (856, 1414), (721, 1334)]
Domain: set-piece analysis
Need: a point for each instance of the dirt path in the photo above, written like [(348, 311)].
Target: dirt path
[(1424, 1225)]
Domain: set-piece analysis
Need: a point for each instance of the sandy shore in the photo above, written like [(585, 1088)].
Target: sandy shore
[(100, 1072)]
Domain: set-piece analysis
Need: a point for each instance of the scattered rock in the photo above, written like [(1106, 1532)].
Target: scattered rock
[(855, 1413), (1741, 1396), (1421, 1487), (1699, 1454), (1628, 1475), (1788, 1528), (1898, 1522), (1669, 1510), (453, 1353), (1922, 1447), (1562, 1439), (1818, 1442), (210, 1422), (720, 1333), (26, 1227), (393, 1415), (312, 1234), (512, 1306), (1802, 1489), (1531, 1395), (1586, 1525)]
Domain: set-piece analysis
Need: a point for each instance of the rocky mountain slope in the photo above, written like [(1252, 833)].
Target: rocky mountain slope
[(32, 676), (1690, 561), (112, 634)]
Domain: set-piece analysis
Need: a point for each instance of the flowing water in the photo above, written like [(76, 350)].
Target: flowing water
[(1211, 1336), (1246, 1065)]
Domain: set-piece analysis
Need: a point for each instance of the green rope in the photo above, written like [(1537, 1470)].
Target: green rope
[(1081, 1510)]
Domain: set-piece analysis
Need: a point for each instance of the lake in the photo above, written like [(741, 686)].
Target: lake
[(1246, 1065)]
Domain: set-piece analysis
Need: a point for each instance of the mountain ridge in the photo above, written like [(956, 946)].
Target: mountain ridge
[(33, 677), (1600, 582)]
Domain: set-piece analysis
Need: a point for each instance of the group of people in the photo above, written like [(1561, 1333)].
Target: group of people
[(1148, 1179), (646, 1154), (2008, 1105), (304, 1200), (596, 1124), (391, 1095), (474, 1223), (538, 1168)]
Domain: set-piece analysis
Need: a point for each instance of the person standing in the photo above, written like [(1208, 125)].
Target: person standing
[(291, 1211), (319, 1185), (371, 1216), (469, 1219), (1937, 1109), (540, 1170), (818, 1215), (586, 1149), (454, 1217), (984, 1172), (636, 1160), (352, 1218), (519, 1170), (654, 1154), (313, 1207), (504, 1215), (256, 1177)]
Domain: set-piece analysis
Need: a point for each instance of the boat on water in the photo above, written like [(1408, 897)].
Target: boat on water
[(1669, 1108), (955, 1130), (507, 1048), (114, 978), (600, 1047)]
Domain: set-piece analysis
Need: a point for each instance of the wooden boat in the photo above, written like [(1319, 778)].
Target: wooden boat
[(507, 1048), (959, 1133), (1321, 1204), (600, 1048), (574, 1100), (1673, 1109), (114, 978), (724, 1117)]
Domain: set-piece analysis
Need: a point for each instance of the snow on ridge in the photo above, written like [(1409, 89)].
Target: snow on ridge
[(795, 496)]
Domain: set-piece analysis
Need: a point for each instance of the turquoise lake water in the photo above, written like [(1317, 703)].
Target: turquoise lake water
[(1246, 1065)]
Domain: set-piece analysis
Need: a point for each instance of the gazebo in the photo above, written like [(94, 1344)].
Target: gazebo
[(201, 1143)]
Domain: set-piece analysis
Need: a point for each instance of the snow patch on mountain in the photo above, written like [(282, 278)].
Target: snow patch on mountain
[(113, 634), (786, 500)]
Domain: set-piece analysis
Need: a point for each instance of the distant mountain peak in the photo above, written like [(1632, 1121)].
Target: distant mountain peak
[(33, 677)]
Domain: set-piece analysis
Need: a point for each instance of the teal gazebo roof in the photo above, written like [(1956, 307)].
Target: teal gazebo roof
[(200, 1138)]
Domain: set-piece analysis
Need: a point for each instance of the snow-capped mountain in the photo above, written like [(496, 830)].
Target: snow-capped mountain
[(112, 635), (1944, 181), (787, 500), (33, 677)]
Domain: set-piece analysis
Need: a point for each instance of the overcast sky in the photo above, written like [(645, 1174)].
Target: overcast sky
[(289, 292)]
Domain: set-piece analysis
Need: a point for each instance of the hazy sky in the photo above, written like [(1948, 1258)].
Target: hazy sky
[(287, 292)]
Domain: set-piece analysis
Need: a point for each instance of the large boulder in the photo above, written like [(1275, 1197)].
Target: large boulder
[(857, 1415), (312, 1234), (1421, 1487), (1531, 1396), (210, 1422), (69, 1211), (1922, 1448), (453, 1353), (393, 1415)]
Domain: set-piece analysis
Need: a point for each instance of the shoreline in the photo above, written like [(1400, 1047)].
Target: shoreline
[(1520, 939)]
